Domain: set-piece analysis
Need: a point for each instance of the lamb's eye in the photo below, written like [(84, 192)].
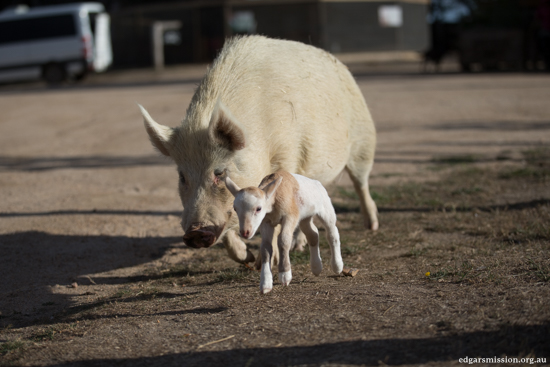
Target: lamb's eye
[(219, 172), (258, 209), (182, 178)]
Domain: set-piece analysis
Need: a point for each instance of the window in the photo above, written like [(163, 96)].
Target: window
[(32, 29)]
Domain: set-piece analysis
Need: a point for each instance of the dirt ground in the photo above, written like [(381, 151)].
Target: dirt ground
[(93, 271)]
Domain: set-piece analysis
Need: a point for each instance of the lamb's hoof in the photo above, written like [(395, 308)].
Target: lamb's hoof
[(316, 268), (285, 277), (336, 266), (265, 290)]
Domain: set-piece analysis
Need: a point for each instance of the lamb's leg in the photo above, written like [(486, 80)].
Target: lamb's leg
[(312, 236), (328, 219), (266, 252), (285, 242), (275, 248)]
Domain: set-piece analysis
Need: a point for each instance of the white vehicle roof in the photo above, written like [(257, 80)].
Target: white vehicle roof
[(23, 12)]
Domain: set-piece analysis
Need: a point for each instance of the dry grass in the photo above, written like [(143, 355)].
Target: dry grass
[(456, 270)]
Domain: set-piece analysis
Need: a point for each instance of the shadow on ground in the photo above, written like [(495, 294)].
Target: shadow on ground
[(508, 341), (30, 164), (34, 262)]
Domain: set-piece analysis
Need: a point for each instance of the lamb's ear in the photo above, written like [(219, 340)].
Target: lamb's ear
[(225, 130), (272, 188), (232, 186), (158, 134)]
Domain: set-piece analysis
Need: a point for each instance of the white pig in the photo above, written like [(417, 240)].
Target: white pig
[(265, 105)]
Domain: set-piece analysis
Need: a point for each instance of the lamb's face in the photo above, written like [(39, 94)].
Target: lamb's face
[(250, 205)]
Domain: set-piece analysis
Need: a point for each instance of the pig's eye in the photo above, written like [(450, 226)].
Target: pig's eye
[(258, 209), (182, 178)]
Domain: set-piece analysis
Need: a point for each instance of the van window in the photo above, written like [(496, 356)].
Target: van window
[(31, 29), (92, 17)]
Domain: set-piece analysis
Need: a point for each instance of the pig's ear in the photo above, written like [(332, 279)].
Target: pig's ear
[(232, 186), (225, 130), (272, 188), (159, 134)]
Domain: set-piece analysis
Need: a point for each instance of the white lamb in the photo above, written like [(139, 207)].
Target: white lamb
[(289, 200)]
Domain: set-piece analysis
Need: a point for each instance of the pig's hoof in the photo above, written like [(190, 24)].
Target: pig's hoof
[(285, 277), (299, 241), (372, 226), (249, 258), (258, 263)]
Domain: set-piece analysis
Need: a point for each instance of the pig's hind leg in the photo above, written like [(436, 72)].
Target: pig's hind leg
[(328, 218), (359, 170), (298, 240)]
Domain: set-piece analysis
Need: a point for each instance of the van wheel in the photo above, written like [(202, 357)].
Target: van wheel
[(54, 73), (80, 77)]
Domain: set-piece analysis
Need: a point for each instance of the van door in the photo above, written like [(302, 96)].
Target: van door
[(103, 55)]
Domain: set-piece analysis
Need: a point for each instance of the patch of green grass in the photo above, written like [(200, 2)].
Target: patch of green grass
[(540, 270), (440, 274), (299, 257), (416, 252), (505, 155), (466, 191), (122, 293), (538, 166), (528, 172), (456, 274), (537, 156), (376, 196), (349, 250), (10, 346), (536, 230), (47, 334), (233, 275), (348, 193)]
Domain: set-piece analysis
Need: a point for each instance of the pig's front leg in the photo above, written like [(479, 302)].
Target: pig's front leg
[(236, 248), (266, 252), (298, 240)]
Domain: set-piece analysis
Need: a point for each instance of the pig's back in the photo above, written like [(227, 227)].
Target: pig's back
[(301, 107)]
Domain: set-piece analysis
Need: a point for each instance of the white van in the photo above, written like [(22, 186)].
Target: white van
[(54, 42)]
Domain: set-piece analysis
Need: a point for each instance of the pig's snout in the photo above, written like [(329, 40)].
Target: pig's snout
[(199, 237)]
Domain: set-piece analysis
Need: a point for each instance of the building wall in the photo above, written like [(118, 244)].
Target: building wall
[(355, 27), (293, 21), (337, 26), (415, 34)]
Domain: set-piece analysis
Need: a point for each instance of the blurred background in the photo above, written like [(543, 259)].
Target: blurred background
[(428, 35)]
